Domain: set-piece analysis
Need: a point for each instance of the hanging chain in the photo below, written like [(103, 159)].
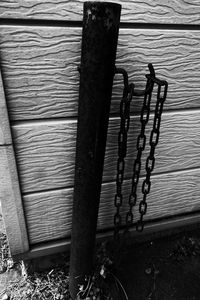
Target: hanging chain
[(128, 93), (150, 161), (141, 142), (122, 146)]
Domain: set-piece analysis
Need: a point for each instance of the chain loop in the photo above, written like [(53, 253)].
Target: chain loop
[(122, 147), (141, 142), (150, 161), (128, 93)]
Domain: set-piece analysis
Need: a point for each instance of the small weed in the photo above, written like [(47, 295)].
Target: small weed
[(186, 247), (6, 261), (103, 284)]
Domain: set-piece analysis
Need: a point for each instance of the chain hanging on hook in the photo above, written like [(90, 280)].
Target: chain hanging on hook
[(153, 142), (128, 93), (141, 142), (122, 146)]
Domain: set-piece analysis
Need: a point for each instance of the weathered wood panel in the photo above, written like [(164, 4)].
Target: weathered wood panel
[(144, 11), (45, 154), (46, 150), (49, 213), (161, 228), (40, 68)]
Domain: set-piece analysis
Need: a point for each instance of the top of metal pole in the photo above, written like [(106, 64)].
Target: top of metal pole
[(97, 3), (99, 11)]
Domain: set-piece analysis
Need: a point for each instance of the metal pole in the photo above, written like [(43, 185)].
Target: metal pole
[(99, 44)]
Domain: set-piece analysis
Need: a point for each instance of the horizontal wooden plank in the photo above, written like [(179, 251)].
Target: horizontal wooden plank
[(157, 229), (49, 213), (5, 134), (144, 11), (46, 150), (11, 202), (40, 74)]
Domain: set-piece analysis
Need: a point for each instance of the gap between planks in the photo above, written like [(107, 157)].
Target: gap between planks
[(60, 120), (77, 24)]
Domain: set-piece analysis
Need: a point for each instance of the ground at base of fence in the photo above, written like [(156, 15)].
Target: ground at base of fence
[(167, 269)]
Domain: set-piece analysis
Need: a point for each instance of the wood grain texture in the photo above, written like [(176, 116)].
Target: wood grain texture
[(49, 213), (45, 154), (144, 11), (10, 197), (40, 74), (46, 150), (5, 134)]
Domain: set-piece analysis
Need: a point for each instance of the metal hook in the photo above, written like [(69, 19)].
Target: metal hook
[(132, 86)]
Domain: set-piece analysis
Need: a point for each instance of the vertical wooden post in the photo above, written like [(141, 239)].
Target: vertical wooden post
[(10, 194), (99, 44)]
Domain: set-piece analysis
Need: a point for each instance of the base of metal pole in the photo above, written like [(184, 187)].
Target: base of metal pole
[(99, 44)]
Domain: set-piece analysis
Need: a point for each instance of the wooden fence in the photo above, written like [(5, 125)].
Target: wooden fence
[(40, 46)]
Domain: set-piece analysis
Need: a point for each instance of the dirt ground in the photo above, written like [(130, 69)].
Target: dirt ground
[(161, 269), (164, 269)]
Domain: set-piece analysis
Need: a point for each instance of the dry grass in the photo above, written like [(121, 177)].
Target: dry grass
[(46, 285), (54, 284)]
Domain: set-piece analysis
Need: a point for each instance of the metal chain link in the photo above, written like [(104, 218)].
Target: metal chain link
[(128, 93), (122, 146), (150, 161), (141, 142)]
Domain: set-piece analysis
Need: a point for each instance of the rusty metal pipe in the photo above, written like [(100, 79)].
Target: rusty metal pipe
[(99, 45)]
